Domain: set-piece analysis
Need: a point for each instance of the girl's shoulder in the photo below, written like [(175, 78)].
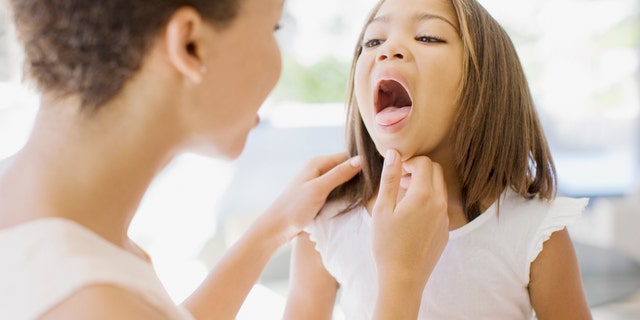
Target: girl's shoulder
[(536, 208), (539, 218), (337, 208), (336, 222)]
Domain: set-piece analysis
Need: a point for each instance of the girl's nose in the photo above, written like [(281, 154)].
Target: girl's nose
[(392, 51), (385, 56)]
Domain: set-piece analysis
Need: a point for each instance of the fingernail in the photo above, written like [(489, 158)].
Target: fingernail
[(390, 158), (356, 161)]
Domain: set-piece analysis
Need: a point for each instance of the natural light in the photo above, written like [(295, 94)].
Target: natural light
[(581, 58)]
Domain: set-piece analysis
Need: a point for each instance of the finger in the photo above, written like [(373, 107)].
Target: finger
[(320, 165), (405, 181), (421, 170), (389, 184), (329, 162), (339, 174)]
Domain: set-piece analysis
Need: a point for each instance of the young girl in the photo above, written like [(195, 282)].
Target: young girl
[(126, 86), (442, 79)]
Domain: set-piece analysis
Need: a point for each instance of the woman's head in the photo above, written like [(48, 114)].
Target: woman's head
[(91, 48), (216, 60), (468, 96)]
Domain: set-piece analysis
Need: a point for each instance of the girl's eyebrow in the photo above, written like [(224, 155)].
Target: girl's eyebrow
[(428, 16), (420, 16)]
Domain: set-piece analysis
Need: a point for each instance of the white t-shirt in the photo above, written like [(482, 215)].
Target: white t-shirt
[(483, 272), (45, 261)]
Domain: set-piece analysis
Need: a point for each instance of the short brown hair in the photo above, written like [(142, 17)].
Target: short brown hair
[(90, 48), (497, 138)]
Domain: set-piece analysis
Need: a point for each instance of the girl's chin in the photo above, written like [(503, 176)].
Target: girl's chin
[(404, 153)]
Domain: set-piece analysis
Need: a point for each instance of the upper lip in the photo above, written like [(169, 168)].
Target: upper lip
[(387, 93)]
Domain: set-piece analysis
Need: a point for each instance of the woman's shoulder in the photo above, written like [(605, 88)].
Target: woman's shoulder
[(108, 301), (4, 163), (60, 258)]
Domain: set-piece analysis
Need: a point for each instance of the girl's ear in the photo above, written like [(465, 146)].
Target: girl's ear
[(184, 34)]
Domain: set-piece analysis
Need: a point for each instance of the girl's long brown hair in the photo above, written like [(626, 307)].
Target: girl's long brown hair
[(497, 138)]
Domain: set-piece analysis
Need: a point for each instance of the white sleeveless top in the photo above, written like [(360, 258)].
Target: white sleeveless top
[(45, 261), (483, 272)]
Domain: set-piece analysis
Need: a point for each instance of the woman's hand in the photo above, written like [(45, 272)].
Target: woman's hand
[(408, 235), (301, 201), (235, 274)]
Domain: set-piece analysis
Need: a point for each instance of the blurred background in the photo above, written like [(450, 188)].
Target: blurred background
[(582, 61)]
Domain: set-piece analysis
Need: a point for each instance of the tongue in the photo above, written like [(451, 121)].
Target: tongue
[(392, 115)]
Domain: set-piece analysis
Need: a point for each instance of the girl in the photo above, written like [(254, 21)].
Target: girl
[(127, 85), (442, 79)]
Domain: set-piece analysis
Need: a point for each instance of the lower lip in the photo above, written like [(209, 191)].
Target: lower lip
[(257, 121)]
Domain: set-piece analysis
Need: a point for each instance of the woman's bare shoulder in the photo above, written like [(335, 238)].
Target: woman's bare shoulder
[(104, 301)]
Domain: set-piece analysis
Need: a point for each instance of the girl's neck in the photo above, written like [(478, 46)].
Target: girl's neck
[(90, 168), (444, 157), (455, 210)]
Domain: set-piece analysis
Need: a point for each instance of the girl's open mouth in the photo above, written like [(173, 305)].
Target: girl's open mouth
[(392, 103)]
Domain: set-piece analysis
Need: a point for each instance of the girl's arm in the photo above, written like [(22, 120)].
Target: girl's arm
[(555, 284), (222, 293), (409, 235), (312, 290)]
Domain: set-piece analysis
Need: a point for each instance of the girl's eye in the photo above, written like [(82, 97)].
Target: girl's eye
[(278, 27), (372, 43), (429, 39)]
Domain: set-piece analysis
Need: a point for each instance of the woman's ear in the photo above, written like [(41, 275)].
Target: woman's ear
[(184, 34)]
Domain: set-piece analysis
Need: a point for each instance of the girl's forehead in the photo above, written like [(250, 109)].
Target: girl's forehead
[(391, 10)]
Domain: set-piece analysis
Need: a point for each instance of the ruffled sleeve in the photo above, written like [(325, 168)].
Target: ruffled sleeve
[(320, 226), (562, 213), (316, 231)]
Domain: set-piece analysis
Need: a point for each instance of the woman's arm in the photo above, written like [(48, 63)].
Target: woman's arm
[(226, 287), (555, 284), (312, 290), (409, 236), (222, 293)]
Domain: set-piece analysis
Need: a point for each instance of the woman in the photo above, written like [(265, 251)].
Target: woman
[(125, 87)]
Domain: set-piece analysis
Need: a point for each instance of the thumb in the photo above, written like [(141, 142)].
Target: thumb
[(389, 184)]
